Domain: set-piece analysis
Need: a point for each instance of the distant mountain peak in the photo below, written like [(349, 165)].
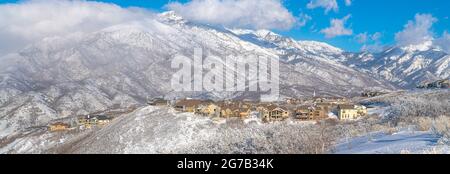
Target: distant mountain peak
[(265, 33)]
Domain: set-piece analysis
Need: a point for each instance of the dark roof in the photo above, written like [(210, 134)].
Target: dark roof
[(346, 106), (189, 103), (60, 124), (158, 100), (271, 107), (303, 107), (101, 117)]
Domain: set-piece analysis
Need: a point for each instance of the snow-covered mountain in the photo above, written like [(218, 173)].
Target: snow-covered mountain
[(406, 66), (122, 65)]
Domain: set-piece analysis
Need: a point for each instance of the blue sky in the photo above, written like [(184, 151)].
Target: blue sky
[(387, 17)]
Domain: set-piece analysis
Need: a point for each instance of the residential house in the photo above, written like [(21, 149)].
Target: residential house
[(293, 101), (326, 106), (103, 119), (362, 110), (209, 109), (238, 110), (86, 121), (227, 111), (245, 112), (158, 102), (188, 105), (303, 113), (275, 113), (91, 120), (59, 126), (348, 112), (311, 112)]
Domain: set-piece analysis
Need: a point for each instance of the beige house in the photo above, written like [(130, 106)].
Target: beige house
[(311, 113), (158, 102), (187, 105), (351, 112), (87, 121), (244, 112), (292, 101), (54, 127), (228, 110), (210, 109), (103, 119), (275, 113), (362, 110), (92, 120)]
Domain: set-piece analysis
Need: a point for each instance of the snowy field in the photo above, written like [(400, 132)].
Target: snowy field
[(405, 142), (153, 130)]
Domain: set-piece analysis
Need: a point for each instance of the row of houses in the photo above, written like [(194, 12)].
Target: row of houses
[(318, 109), (83, 121), (93, 120), (225, 109)]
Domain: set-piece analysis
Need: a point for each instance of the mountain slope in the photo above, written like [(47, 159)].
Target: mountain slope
[(405, 66)]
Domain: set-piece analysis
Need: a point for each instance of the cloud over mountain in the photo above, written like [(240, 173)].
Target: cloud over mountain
[(337, 28), (29, 21), (254, 14), (444, 42), (416, 31)]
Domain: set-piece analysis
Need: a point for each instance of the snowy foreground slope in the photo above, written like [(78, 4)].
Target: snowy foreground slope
[(422, 125), (161, 130), (405, 142), (157, 130)]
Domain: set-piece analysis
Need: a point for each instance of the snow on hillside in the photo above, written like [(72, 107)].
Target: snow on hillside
[(157, 130), (418, 122), (163, 130), (160, 130), (404, 142), (406, 66)]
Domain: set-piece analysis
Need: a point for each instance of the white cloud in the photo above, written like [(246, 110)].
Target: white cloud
[(365, 37), (417, 31), (362, 37), (29, 21), (337, 28), (303, 19), (376, 36), (444, 42), (348, 2), (328, 5), (255, 14), (371, 42)]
